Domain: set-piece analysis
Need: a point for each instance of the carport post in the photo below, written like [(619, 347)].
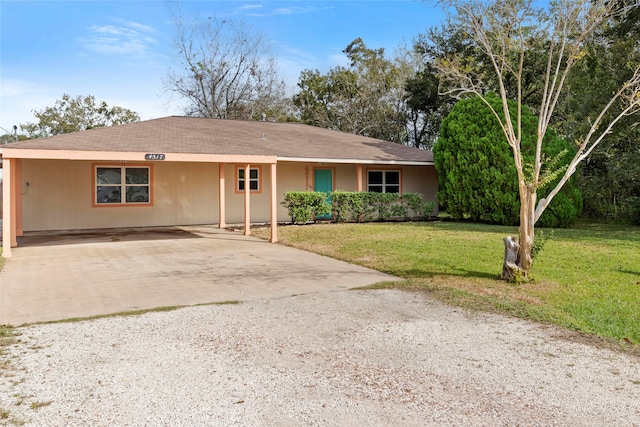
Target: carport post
[(222, 197), (7, 206), (274, 205), (247, 200), (17, 201)]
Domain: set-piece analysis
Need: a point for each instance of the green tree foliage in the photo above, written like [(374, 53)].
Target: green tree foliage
[(394, 99), (426, 108), (73, 114), (323, 100), (476, 171), (450, 40), (612, 173), (364, 98)]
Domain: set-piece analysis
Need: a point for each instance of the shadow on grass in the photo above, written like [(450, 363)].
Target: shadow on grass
[(633, 273), (416, 273), (470, 226), (582, 230)]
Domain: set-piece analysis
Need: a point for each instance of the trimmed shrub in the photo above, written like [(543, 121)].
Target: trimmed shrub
[(304, 206), (352, 206), (359, 206), (386, 205)]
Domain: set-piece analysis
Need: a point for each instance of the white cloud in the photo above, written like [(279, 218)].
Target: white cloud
[(125, 39), (295, 10), (250, 6), (139, 27), (283, 11)]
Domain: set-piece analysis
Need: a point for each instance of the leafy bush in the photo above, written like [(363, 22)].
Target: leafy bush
[(386, 205), (304, 206), (351, 206), (417, 206), (540, 240), (359, 206)]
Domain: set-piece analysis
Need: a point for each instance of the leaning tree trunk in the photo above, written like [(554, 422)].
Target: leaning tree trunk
[(518, 254)]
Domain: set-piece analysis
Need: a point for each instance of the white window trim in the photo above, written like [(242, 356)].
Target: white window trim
[(256, 179), (384, 179)]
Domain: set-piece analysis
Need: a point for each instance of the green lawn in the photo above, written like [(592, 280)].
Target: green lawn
[(586, 278)]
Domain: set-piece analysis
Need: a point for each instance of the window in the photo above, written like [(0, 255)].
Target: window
[(254, 179), (127, 185), (383, 181)]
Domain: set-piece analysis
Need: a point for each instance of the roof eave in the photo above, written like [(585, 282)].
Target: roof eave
[(130, 156), (356, 161)]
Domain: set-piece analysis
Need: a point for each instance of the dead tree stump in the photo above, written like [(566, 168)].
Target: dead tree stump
[(510, 266)]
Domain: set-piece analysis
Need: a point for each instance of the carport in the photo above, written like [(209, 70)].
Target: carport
[(58, 276), (12, 182)]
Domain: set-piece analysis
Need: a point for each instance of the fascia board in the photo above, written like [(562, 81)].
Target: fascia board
[(356, 161), (133, 156)]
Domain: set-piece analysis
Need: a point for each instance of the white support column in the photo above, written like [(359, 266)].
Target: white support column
[(247, 200), (14, 202), (222, 199), (7, 207), (17, 184), (274, 205)]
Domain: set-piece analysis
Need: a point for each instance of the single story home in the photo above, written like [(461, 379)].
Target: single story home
[(190, 171)]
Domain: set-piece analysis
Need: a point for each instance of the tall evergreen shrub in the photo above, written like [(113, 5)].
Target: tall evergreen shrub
[(476, 170)]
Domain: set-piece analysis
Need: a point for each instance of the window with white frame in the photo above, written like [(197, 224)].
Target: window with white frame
[(254, 179), (122, 185), (383, 181)]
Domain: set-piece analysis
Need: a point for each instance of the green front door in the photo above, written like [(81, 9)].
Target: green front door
[(323, 181)]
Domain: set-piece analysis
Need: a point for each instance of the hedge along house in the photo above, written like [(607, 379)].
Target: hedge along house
[(178, 171)]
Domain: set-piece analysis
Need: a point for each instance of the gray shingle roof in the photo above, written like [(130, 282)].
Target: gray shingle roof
[(193, 135)]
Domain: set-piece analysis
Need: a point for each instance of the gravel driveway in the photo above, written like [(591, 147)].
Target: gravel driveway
[(348, 358)]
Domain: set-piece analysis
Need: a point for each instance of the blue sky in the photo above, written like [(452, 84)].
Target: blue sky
[(119, 51)]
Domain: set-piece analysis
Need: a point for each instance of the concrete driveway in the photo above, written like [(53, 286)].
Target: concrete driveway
[(61, 276)]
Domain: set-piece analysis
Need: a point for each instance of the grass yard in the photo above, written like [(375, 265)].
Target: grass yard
[(586, 278)]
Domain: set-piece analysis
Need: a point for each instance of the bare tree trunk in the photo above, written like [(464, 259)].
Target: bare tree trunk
[(518, 254), (527, 221)]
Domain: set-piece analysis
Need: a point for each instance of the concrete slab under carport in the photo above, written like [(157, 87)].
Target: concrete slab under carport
[(55, 276)]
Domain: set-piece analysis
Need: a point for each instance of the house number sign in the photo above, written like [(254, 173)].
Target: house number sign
[(154, 156)]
